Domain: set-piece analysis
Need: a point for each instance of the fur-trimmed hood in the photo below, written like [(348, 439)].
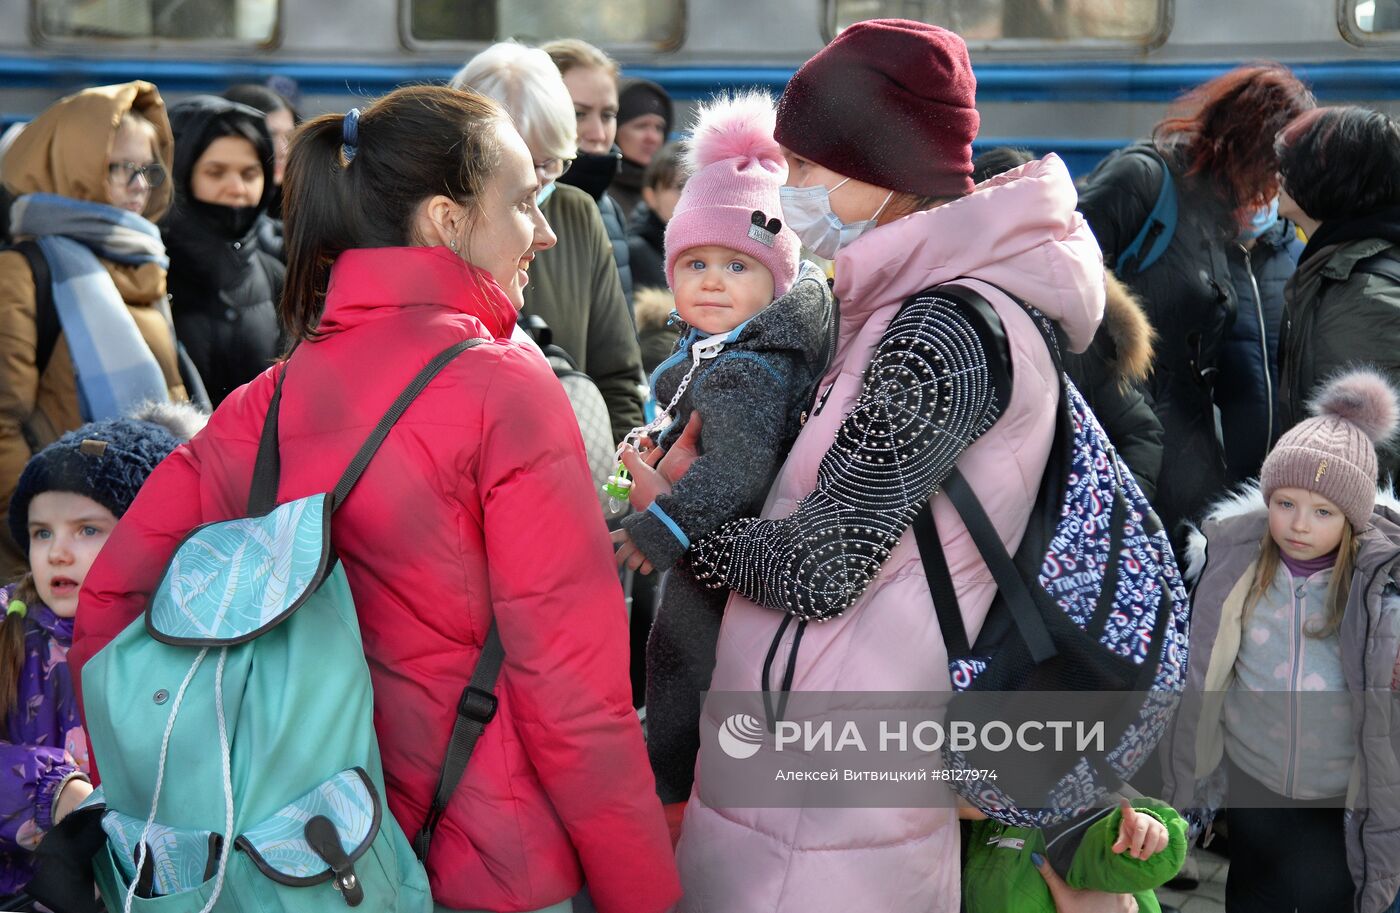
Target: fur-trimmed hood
[(654, 307), (1131, 332), (1247, 501)]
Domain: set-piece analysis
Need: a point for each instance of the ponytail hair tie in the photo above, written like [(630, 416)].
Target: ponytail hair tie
[(350, 134), (16, 607)]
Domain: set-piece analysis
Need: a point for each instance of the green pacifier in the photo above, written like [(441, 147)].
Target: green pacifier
[(618, 487)]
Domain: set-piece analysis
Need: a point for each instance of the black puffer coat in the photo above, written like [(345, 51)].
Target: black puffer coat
[(646, 241), (1247, 391), (223, 285), (616, 225), (1189, 298)]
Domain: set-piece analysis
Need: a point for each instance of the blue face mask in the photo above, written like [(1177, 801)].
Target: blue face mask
[(545, 193), (808, 213), (1261, 221)]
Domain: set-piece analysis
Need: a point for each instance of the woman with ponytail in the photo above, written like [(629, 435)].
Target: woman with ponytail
[(411, 227), (66, 504)]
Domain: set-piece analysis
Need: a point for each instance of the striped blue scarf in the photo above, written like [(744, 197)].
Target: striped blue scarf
[(113, 364)]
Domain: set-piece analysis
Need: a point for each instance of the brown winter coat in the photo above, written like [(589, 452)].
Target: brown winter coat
[(654, 328), (64, 151)]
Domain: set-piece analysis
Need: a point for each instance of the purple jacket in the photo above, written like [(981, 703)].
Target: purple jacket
[(44, 743)]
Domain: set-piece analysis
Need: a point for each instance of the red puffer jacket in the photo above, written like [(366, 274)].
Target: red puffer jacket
[(478, 504)]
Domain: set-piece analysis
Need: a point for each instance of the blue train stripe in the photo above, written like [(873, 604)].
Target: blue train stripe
[(996, 82)]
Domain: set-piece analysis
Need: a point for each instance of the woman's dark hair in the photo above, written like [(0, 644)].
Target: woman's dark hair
[(1223, 130), (259, 98), (12, 630), (999, 160), (667, 167), (413, 143), (1341, 163)]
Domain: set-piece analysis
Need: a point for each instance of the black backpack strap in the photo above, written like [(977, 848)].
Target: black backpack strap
[(940, 584), (381, 431), (1013, 589), (1012, 586), (45, 311), (475, 709), (267, 469), (477, 705)]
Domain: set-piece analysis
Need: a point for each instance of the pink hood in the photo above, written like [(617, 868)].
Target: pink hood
[(1019, 231)]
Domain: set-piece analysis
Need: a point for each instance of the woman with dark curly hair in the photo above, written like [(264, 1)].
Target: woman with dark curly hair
[(1340, 171), (1211, 160)]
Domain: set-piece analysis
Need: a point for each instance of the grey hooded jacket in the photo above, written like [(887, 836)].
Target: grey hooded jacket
[(750, 399), (1221, 561)]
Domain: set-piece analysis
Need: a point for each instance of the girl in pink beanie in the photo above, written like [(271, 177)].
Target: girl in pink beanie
[(754, 328), (1295, 629)]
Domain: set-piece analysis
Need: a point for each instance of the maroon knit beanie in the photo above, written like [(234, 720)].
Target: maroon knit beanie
[(890, 102)]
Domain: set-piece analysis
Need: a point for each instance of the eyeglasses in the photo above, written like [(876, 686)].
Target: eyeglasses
[(126, 173), (553, 169)]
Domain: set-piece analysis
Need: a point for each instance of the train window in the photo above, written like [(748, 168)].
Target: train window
[(1372, 17), (609, 23), (989, 21), (235, 21)]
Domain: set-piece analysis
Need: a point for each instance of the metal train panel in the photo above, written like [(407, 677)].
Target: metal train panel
[(1079, 95)]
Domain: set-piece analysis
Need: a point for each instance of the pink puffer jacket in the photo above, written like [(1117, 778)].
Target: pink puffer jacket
[(1019, 232)]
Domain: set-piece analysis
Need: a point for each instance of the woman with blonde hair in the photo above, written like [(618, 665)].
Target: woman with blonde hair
[(574, 287)]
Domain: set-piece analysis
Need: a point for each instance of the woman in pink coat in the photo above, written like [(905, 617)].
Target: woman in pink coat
[(877, 129), (412, 227)]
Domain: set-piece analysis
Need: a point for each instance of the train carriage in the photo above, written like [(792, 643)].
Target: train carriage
[(1080, 77)]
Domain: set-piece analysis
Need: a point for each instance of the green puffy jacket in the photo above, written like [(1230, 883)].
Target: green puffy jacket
[(999, 876), (1340, 311)]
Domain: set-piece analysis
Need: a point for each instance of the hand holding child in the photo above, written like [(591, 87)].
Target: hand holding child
[(1078, 900), (1140, 835), (647, 482)]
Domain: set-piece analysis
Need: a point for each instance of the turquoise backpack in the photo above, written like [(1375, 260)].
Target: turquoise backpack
[(234, 722)]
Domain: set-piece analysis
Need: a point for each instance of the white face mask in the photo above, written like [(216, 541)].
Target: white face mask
[(807, 211)]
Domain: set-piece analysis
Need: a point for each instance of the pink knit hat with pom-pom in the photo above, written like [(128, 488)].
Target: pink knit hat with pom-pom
[(731, 199), (1333, 454)]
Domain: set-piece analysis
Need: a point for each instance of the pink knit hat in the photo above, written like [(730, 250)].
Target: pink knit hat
[(731, 198), (1333, 454)]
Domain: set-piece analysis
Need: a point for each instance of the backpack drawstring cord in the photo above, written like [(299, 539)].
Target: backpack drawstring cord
[(160, 778), (224, 757)]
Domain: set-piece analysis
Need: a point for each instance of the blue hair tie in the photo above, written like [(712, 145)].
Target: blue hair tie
[(350, 134)]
